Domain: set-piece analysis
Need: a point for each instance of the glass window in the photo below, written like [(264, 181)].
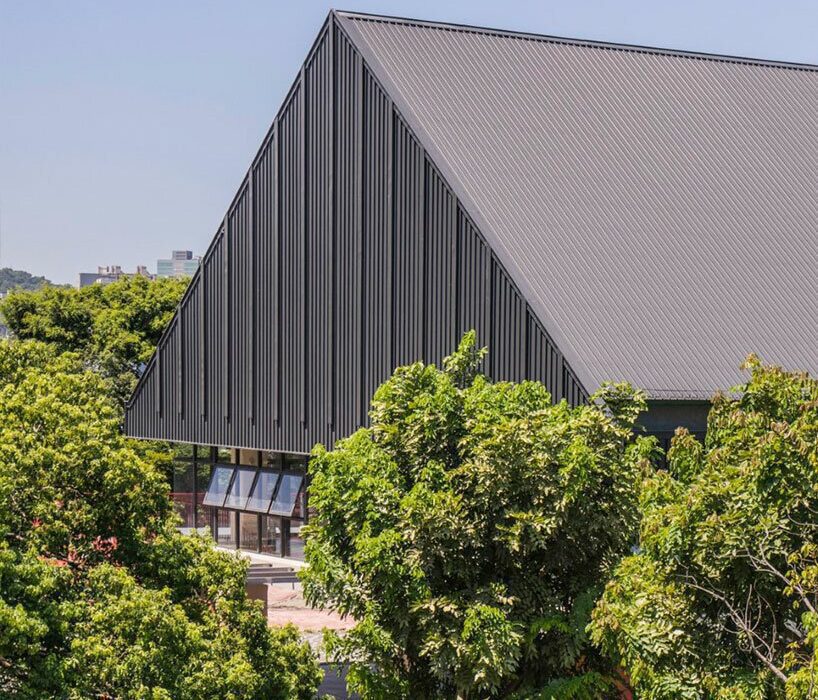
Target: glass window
[(289, 488), (225, 526), (295, 462), (183, 452), (294, 542), (219, 484), (271, 460), (263, 491), (248, 531), (240, 489), (270, 534), (203, 470), (301, 504), (182, 478), (182, 492)]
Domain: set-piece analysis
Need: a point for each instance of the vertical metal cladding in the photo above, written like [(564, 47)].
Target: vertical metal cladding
[(509, 329), (291, 271), (473, 281), (377, 243), (409, 246), (320, 234), (240, 346), (348, 259), (261, 318), (440, 227), (343, 255)]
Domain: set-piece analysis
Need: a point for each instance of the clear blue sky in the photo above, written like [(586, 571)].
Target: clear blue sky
[(125, 127)]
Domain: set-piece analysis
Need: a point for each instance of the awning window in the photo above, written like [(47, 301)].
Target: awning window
[(288, 489), (219, 484), (256, 490), (263, 491), (240, 488)]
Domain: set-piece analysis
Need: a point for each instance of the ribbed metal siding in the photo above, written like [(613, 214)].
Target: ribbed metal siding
[(376, 291), (291, 268), (320, 241), (409, 250), (440, 248), (267, 377), (474, 291), (343, 255), (349, 270)]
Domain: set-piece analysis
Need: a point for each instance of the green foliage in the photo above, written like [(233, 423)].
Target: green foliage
[(719, 601), (20, 279), (114, 327), (469, 530), (587, 686), (100, 596)]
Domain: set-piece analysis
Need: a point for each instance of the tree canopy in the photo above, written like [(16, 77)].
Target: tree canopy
[(469, 532), (100, 596), (114, 327), (720, 599)]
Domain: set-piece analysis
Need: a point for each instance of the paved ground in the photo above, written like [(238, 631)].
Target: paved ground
[(285, 604)]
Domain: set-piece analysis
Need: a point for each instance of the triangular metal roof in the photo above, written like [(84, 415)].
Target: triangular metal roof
[(657, 208)]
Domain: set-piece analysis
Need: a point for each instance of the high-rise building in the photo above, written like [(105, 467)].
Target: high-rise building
[(182, 263)]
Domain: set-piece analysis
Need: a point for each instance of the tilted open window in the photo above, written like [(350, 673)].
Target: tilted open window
[(288, 489), (254, 489), (240, 488), (263, 491), (219, 484)]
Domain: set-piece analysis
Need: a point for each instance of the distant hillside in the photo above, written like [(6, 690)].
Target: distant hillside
[(19, 279)]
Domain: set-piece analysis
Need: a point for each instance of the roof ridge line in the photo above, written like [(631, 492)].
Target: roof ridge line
[(587, 43)]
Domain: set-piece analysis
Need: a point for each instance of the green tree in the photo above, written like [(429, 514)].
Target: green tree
[(114, 327), (720, 600), (100, 596), (469, 532), (19, 279)]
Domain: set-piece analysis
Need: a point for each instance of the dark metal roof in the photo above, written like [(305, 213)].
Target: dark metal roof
[(657, 208)]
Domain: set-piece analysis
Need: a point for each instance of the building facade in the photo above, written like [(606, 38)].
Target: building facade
[(573, 202), (182, 263), (110, 273), (247, 499)]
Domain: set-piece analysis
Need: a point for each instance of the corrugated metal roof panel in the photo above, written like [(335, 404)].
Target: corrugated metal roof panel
[(658, 209)]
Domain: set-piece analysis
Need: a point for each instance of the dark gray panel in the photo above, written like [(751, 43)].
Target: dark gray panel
[(409, 253), (320, 240), (509, 329), (266, 382), (665, 417), (292, 272), (375, 295), (473, 282), (349, 269), (213, 268), (440, 248)]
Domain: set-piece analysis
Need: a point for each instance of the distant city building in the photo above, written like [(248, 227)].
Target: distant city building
[(106, 274), (182, 263)]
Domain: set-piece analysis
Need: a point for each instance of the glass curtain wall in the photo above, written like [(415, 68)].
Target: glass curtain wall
[(249, 500)]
